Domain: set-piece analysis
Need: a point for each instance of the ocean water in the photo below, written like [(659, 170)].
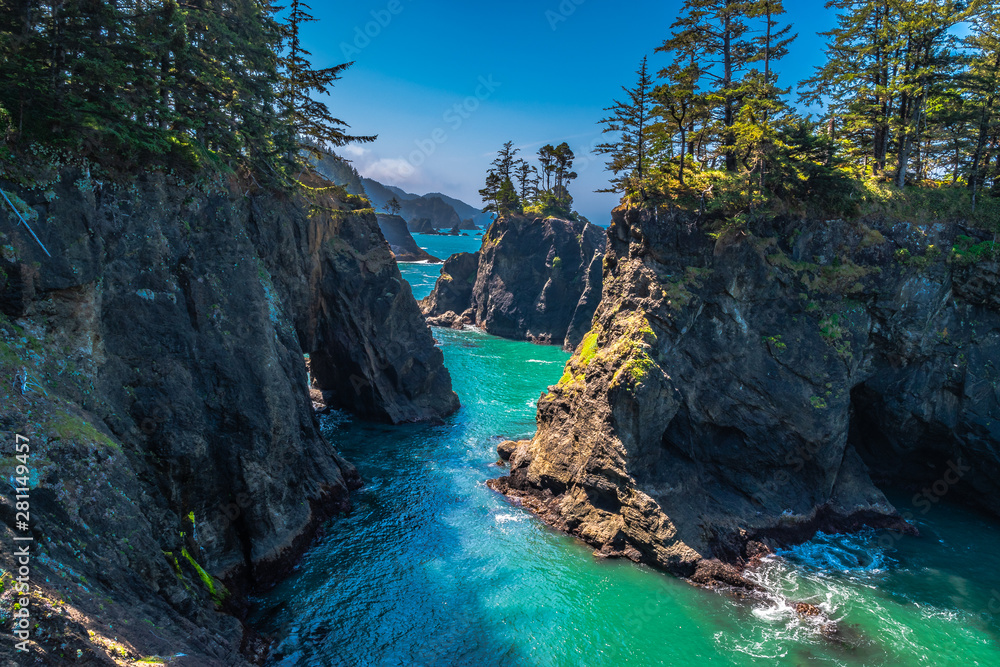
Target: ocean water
[(423, 276), (433, 568)]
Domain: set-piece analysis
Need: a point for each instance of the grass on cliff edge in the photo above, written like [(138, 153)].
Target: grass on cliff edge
[(830, 193), (925, 205)]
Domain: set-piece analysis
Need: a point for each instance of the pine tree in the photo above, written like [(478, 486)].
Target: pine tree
[(527, 177), (716, 32), (490, 193), (756, 130), (547, 158), (194, 84), (885, 62), (854, 80), (926, 64), (680, 103), (983, 95), (306, 116), (631, 120), (499, 195), (505, 161)]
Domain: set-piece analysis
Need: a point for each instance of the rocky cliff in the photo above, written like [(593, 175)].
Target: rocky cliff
[(442, 211), (401, 242), (441, 215), (478, 217), (742, 391), (156, 364), (532, 279), (421, 226)]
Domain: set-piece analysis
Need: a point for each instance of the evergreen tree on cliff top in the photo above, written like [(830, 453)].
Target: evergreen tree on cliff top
[(306, 116), (632, 120), (886, 63), (982, 90), (499, 193), (543, 192), (553, 198), (717, 33), (757, 127), (192, 85)]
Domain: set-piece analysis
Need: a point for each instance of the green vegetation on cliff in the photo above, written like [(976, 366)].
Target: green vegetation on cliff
[(910, 127), (225, 85), (542, 191)]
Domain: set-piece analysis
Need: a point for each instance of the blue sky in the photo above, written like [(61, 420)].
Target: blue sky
[(444, 84)]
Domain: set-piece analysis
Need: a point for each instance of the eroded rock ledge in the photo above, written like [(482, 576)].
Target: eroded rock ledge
[(532, 279), (741, 393)]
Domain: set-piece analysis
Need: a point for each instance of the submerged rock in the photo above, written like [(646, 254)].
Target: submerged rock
[(759, 387), (532, 279)]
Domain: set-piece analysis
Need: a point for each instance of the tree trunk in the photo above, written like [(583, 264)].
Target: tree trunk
[(907, 115), (727, 82), (680, 167), (977, 155)]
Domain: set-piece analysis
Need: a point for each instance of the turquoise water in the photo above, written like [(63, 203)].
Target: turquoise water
[(433, 568), (423, 276)]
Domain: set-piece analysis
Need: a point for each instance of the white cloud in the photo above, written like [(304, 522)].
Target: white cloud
[(356, 151), (402, 173), (393, 171)]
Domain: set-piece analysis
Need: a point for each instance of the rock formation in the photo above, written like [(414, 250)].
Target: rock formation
[(741, 393), (422, 226), (532, 279), (401, 242), (441, 215), (476, 214), (442, 211), (156, 364)]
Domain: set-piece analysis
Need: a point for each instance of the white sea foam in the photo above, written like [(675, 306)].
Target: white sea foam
[(855, 553), (823, 572), (334, 419)]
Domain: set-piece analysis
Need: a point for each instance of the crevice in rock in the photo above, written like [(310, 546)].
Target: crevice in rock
[(897, 455)]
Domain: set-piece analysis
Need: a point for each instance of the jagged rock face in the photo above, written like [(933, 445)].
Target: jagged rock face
[(401, 241), (453, 290), (533, 279), (747, 390), (168, 403), (359, 322)]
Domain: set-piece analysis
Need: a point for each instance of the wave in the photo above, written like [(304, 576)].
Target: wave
[(857, 552)]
